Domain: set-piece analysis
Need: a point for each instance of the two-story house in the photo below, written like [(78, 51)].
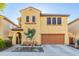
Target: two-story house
[(50, 28)]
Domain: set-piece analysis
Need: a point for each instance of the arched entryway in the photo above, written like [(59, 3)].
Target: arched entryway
[(71, 40), (18, 38)]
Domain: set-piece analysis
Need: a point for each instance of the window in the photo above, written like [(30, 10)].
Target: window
[(27, 18), (33, 18), (59, 21), (48, 20), (53, 20)]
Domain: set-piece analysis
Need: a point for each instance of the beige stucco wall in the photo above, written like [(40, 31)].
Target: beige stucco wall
[(71, 34)]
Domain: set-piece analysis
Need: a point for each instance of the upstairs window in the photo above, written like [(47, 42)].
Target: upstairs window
[(27, 18), (33, 19), (48, 20), (59, 21), (54, 21)]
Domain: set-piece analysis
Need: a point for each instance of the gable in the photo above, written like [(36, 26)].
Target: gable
[(30, 10)]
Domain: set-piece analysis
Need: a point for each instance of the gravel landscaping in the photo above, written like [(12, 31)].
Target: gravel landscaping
[(28, 49)]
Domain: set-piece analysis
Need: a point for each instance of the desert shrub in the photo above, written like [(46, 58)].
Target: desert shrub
[(8, 43), (2, 43)]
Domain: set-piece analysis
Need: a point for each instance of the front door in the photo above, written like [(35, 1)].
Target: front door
[(18, 38)]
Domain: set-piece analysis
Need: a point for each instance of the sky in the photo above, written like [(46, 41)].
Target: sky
[(12, 10)]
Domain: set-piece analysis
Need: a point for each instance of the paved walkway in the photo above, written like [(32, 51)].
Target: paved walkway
[(49, 50)]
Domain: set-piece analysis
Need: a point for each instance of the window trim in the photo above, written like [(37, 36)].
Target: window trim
[(57, 20), (33, 19), (47, 20), (52, 20), (27, 19)]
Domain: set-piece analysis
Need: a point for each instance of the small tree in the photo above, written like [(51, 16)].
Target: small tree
[(30, 34), (2, 6)]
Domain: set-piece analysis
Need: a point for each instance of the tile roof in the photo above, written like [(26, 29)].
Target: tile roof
[(5, 18)]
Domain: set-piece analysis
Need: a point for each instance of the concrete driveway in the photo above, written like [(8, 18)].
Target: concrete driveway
[(49, 50), (61, 50)]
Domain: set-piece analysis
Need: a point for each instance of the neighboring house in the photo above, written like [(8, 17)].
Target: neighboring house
[(73, 28), (50, 28), (5, 27)]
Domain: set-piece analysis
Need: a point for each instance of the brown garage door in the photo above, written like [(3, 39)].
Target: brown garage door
[(52, 38)]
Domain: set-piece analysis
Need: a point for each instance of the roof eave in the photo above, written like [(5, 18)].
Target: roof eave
[(9, 20), (67, 15)]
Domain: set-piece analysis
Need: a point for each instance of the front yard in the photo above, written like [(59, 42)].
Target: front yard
[(49, 50)]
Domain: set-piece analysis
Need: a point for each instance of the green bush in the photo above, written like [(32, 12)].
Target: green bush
[(78, 41), (2, 43), (8, 43)]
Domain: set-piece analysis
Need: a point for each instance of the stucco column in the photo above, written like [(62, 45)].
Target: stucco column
[(66, 39), (23, 39), (14, 39)]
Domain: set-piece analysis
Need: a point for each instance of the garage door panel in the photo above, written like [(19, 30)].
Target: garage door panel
[(52, 38)]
